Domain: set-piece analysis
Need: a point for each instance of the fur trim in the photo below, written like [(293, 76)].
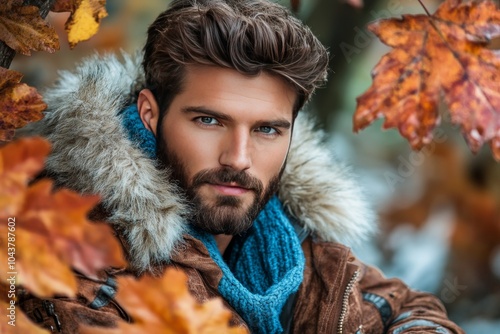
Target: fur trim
[(92, 154), (320, 192)]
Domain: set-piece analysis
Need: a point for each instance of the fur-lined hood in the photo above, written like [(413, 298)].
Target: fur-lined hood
[(91, 153)]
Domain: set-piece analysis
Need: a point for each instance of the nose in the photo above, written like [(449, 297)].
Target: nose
[(236, 150)]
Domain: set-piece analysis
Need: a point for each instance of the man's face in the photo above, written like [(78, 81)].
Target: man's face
[(226, 137)]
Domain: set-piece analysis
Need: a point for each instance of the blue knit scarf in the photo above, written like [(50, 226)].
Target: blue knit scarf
[(264, 267)]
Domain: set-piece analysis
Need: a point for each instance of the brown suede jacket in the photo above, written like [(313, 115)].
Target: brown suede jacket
[(92, 153), (339, 294)]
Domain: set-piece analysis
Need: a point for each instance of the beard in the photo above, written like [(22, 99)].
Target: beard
[(227, 215)]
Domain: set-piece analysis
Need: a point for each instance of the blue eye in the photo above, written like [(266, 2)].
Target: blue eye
[(208, 120), (268, 130)]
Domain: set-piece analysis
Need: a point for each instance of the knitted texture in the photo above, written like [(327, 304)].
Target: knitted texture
[(264, 268), (137, 133)]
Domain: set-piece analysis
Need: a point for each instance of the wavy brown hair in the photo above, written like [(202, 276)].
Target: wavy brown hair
[(249, 36)]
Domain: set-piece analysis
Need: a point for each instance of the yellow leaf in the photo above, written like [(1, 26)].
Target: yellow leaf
[(84, 20)]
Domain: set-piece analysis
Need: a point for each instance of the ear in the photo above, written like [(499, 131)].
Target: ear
[(149, 112)]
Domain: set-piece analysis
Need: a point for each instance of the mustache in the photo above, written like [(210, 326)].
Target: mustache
[(227, 175)]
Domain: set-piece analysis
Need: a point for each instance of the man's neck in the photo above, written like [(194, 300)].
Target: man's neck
[(222, 241)]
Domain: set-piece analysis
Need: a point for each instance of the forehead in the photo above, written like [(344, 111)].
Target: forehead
[(227, 90)]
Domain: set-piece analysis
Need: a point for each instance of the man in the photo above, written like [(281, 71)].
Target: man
[(197, 169)]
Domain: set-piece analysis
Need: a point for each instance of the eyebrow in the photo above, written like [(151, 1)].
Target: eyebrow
[(279, 123), (209, 112)]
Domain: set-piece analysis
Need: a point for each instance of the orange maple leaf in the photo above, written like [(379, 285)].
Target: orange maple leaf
[(84, 20), (441, 53), (48, 232), (23, 29), (164, 305), (19, 103)]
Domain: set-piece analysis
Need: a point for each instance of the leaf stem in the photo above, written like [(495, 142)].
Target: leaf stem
[(425, 8)]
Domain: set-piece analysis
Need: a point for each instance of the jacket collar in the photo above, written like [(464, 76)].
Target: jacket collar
[(92, 154)]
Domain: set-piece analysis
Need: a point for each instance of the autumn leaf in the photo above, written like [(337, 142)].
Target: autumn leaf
[(19, 104), (164, 305), (20, 161), (63, 6), (441, 54), (38, 267), (6, 5), (84, 20), (23, 29), (22, 323), (51, 233)]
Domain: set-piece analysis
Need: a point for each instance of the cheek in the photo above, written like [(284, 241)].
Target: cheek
[(192, 148), (272, 161)]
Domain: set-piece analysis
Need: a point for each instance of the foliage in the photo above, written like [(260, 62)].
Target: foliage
[(48, 236), (24, 30), (166, 306), (444, 53), (19, 103), (84, 20)]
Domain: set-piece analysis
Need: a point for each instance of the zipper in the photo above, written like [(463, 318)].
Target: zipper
[(345, 300)]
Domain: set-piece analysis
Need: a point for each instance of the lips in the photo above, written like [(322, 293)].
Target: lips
[(231, 189)]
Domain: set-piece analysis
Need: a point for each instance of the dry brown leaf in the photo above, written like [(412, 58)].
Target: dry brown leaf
[(23, 29), (51, 233), (9, 77), (20, 104), (84, 20), (7, 5), (443, 53), (22, 323), (63, 6), (164, 305)]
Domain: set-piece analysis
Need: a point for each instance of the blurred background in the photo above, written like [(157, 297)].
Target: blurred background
[(438, 209)]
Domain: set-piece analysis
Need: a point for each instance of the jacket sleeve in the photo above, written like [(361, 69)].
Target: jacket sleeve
[(94, 305), (401, 309)]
